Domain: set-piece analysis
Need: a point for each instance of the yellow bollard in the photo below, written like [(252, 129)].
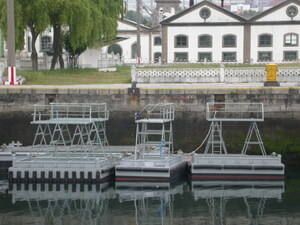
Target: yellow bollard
[(271, 75)]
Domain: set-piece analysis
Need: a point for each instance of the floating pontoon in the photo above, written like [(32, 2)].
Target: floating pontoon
[(154, 159), (216, 163), (72, 143)]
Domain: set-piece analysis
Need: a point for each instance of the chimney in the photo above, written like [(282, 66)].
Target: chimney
[(191, 3)]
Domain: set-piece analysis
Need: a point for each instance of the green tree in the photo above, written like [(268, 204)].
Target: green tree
[(89, 23), (57, 12), (35, 18), (73, 53), (131, 15), (19, 23), (28, 14)]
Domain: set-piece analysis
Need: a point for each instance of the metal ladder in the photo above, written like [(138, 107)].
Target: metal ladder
[(253, 128), (215, 141)]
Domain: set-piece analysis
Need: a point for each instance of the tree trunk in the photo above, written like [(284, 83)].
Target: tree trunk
[(34, 55), (57, 47)]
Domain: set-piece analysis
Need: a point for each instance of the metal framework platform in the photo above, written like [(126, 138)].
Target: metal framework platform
[(154, 158), (78, 129), (216, 163), (79, 126)]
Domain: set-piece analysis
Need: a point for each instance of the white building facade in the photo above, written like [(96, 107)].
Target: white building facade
[(206, 32)]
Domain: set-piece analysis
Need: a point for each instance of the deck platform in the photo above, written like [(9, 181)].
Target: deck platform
[(151, 169), (217, 164), (77, 128), (63, 168), (153, 159), (236, 167)]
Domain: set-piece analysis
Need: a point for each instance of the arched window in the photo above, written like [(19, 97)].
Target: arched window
[(115, 48), (229, 40), (291, 39), (134, 50), (157, 55), (265, 40), (46, 43), (157, 41), (181, 41), (205, 41)]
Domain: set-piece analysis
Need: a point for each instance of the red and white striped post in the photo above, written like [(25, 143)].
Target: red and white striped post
[(12, 78), (11, 60)]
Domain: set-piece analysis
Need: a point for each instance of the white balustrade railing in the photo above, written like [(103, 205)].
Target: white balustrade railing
[(211, 75)]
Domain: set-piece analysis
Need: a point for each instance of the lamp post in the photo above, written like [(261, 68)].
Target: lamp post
[(138, 33), (11, 44), (222, 3)]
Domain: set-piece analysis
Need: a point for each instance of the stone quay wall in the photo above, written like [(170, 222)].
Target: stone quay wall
[(279, 102)]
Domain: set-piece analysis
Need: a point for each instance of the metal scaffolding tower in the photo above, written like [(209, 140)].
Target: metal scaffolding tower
[(154, 130), (233, 112), (77, 127)]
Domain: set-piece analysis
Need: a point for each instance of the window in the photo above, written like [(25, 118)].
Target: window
[(265, 40), (134, 50), (46, 43), (181, 57), (204, 56), (204, 13), (229, 41), (157, 55), (291, 39), (265, 56), (181, 41), (115, 49), (157, 41), (205, 41), (229, 56), (292, 11), (291, 56)]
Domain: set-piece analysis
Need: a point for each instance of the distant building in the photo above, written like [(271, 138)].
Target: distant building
[(207, 32)]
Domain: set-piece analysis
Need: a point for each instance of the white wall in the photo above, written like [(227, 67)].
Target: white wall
[(278, 32), (194, 16), (280, 15), (216, 33)]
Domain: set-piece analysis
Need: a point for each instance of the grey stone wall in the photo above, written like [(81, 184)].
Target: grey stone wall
[(278, 102)]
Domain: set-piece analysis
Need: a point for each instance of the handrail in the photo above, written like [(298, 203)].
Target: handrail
[(221, 111), (164, 111), (78, 111)]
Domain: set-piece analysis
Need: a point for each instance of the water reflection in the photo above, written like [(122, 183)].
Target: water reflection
[(218, 194), (195, 202), (153, 201), (65, 203)]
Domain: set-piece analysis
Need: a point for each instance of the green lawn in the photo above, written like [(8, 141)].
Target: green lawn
[(75, 76)]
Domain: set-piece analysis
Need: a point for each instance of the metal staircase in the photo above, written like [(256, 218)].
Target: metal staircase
[(215, 141), (154, 132), (233, 112)]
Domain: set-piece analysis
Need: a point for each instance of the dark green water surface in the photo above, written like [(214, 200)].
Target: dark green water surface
[(201, 202)]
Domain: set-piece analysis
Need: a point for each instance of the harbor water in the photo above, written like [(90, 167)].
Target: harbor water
[(186, 202)]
